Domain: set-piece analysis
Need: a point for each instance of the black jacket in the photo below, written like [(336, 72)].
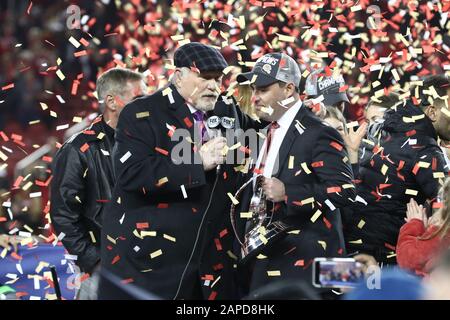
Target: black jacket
[(328, 182), (172, 244), (81, 186), (404, 155)]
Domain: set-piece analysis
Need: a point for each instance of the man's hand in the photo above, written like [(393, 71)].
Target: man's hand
[(6, 241), (318, 109), (352, 140), (212, 153), (274, 189)]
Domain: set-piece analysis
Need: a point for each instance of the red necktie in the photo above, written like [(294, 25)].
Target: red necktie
[(273, 126)]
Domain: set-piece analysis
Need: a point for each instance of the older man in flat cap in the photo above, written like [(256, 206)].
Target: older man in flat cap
[(167, 229)]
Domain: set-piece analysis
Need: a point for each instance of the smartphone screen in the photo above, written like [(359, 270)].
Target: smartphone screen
[(336, 272)]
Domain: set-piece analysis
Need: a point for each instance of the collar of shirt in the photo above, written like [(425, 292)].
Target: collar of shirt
[(271, 167)]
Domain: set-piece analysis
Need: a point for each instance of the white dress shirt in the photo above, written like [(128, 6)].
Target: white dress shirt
[(271, 166)]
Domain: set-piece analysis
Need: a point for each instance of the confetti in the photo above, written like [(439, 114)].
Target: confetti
[(155, 254), (125, 157)]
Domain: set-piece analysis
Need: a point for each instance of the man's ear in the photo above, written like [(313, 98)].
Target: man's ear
[(177, 74), (290, 89), (431, 113), (110, 102)]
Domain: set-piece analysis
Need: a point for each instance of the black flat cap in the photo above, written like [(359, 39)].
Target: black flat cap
[(198, 55)]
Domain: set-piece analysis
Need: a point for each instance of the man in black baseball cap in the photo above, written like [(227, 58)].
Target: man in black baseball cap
[(320, 84)]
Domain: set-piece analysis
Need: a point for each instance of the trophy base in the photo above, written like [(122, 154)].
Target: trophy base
[(258, 242)]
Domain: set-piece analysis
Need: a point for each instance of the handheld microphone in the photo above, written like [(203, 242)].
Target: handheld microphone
[(222, 119)]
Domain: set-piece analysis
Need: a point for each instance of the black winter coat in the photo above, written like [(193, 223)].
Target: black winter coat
[(404, 162)]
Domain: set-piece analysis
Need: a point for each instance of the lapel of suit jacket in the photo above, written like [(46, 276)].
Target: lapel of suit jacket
[(180, 110), (288, 140)]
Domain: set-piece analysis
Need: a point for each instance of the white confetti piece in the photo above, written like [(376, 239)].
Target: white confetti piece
[(125, 157)]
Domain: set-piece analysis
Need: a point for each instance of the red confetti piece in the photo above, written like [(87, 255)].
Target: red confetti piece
[(188, 122), (327, 223), (213, 295), (116, 258), (84, 42), (4, 136), (299, 263), (16, 256), (7, 87), (223, 233), (317, 164), (336, 145), (126, 281), (218, 267), (163, 205), (411, 133), (389, 246), (415, 169), (47, 159), (218, 244), (29, 7), (343, 88), (141, 225), (74, 90), (80, 53), (162, 151), (84, 147), (2, 219), (333, 189)]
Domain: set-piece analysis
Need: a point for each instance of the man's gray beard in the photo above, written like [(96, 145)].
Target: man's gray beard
[(205, 106)]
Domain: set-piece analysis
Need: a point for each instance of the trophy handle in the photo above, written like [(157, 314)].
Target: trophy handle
[(233, 207)]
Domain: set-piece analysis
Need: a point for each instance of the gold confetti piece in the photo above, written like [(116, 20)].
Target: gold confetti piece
[(356, 8), (78, 199), (291, 162), (246, 215), (4, 252), (43, 106), (261, 257), (177, 37), (140, 115), (77, 119), (27, 186), (165, 236), (28, 228), (391, 255), (34, 122), (41, 265), (274, 273), (359, 241), (3, 156), (92, 237), (408, 120), (384, 169), (308, 200), (100, 136), (395, 74), (53, 114), (58, 61), (369, 142), (233, 199), (315, 216), (423, 164), (415, 118), (74, 42), (294, 232), (162, 181), (167, 91), (445, 111), (263, 239), (232, 255), (111, 239), (438, 175), (361, 224), (148, 233), (347, 186), (235, 146), (60, 75), (305, 168), (155, 254), (411, 192), (323, 244), (137, 234), (26, 241)]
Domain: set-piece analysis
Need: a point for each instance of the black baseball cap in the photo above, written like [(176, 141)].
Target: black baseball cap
[(318, 83), (270, 68)]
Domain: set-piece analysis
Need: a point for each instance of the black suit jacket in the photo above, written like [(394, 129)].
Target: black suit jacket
[(192, 231), (320, 147)]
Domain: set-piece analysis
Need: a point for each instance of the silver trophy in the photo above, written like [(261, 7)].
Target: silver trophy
[(260, 231)]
